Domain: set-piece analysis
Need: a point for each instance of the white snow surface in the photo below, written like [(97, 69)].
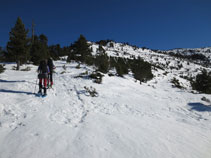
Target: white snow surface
[(126, 120)]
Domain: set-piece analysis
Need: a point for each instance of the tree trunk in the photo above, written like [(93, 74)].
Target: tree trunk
[(18, 65)]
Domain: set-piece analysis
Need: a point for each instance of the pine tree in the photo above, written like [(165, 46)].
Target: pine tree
[(39, 49), (202, 82), (19, 45), (55, 51), (44, 46), (65, 51), (141, 69), (102, 62), (80, 50), (122, 66)]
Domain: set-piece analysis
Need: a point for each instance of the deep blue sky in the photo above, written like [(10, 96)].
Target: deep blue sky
[(157, 24)]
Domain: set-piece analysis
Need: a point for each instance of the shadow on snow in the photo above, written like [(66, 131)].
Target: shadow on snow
[(17, 92), (200, 107), (5, 81)]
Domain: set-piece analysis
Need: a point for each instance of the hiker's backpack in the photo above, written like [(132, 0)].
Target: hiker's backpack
[(50, 64), (43, 70)]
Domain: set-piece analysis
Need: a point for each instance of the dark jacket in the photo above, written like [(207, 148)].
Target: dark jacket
[(50, 65)]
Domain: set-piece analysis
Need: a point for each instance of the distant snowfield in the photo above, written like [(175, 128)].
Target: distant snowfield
[(126, 120)]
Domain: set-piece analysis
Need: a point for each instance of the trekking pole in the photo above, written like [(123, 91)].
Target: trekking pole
[(35, 86), (53, 78)]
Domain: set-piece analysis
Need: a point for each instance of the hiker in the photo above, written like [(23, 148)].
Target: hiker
[(50, 75), (43, 71)]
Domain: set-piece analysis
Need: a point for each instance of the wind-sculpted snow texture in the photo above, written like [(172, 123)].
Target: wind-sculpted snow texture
[(126, 120)]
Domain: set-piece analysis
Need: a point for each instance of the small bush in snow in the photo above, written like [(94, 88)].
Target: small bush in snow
[(97, 77), (111, 44), (165, 73), (14, 68), (172, 67), (82, 75), (2, 68), (180, 66), (92, 91), (144, 48), (104, 42), (157, 66), (205, 99), (63, 59), (64, 67), (186, 78), (176, 83), (78, 66), (110, 74)]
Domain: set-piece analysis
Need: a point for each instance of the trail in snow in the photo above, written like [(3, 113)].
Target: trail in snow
[(126, 120)]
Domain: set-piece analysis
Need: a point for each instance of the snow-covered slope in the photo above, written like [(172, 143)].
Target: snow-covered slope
[(164, 62), (127, 119)]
